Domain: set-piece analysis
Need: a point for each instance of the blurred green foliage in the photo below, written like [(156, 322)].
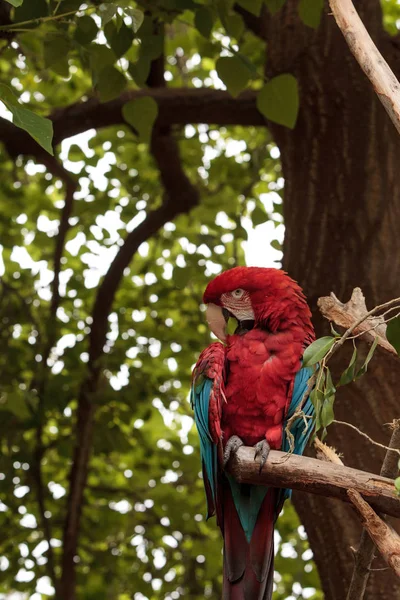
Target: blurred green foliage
[(143, 531)]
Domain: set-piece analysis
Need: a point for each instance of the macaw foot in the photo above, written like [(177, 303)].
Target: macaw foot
[(262, 450), (232, 446)]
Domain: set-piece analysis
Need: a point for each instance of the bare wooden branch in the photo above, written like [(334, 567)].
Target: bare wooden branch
[(316, 477), (366, 549), (354, 316), (369, 58), (385, 538)]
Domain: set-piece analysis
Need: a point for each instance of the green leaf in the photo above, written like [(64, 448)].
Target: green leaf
[(231, 326), (110, 83), (397, 484), (310, 12), (234, 73), (234, 25), (120, 41), (55, 52), (75, 153), (40, 128), (100, 57), (278, 100), (259, 216), (317, 350), (30, 10), (140, 70), (204, 21), (349, 374), (317, 398), (137, 17), (252, 6), (276, 244), (327, 414), (370, 354), (141, 114), (330, 389), (86, 30), (393, 333), (274, 5), (107, 11), (15, 2)]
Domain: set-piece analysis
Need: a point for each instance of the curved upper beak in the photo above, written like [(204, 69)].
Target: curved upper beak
[(216, 321)]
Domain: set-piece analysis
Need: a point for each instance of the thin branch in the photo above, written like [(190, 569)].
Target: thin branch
[(390, 449), (369, 58), (313, 476), (366, 549)]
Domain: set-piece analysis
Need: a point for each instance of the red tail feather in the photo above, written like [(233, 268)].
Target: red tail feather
[(248, 567)]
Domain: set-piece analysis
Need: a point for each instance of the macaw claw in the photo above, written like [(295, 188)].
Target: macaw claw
[(262, 450), (232, 446)]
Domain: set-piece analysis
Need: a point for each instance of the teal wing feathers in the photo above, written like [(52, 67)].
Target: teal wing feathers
[(301, 428), (207, 396)]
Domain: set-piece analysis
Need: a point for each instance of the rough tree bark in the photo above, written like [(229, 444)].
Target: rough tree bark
[(342, 209)]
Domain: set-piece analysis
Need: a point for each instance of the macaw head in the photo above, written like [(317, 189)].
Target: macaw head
[(256, 297)]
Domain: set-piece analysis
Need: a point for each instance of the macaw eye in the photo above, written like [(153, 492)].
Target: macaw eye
[(237, 293)]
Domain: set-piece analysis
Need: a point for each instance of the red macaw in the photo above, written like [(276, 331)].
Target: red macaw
[(243, 392)]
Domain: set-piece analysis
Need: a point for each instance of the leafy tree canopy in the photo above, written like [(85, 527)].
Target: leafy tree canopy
[(63, 220)]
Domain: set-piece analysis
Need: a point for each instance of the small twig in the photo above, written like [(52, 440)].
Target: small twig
[(12, 26), (388, 448)]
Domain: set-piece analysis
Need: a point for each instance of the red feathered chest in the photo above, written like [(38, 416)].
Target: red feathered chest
[(260, 374)]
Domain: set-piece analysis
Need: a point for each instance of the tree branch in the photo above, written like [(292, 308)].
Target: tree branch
[(316, 477), (369, 58), (385, 538), (366, 549), (176, 106)]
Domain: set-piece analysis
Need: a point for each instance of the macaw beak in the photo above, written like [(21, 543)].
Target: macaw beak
[(216, 321)]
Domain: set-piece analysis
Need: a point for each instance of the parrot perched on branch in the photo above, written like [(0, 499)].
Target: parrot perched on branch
[(243, 392)]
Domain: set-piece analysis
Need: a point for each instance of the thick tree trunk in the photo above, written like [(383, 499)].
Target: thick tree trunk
[(342, 216)]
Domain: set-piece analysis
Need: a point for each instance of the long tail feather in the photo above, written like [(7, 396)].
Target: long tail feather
[(248, 565)]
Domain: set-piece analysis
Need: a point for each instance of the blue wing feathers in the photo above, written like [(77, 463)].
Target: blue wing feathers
[(200, 398), (299, 430)]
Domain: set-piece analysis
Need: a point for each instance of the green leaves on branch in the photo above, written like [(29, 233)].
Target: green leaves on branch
[(39, 128), (15, 2), (323, 398), (323, 394), (278, 100), (141, 113)]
